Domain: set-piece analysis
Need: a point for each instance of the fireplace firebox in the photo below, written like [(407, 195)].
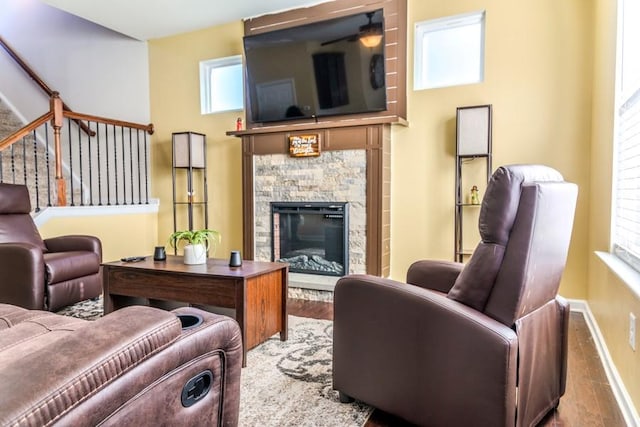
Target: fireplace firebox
[(311, 236)]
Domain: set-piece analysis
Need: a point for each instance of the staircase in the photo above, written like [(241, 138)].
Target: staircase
[(73, 159)]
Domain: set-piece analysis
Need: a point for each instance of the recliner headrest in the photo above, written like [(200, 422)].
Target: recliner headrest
[(500, 203), (14, 199)]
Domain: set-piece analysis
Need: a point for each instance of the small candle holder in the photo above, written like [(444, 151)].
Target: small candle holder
[(235, 260)]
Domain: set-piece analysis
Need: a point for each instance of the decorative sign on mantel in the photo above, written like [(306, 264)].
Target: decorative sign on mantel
[(304, 145)]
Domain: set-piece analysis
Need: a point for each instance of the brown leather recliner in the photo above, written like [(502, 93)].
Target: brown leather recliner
[(43, 274), (481, 344), (137, 366)]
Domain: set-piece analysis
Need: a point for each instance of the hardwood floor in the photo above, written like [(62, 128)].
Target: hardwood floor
[(588, 400)]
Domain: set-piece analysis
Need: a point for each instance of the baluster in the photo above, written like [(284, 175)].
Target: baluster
[(106, 155), (13, 164), (139, 166), (115, 160), (131, 162), (70, 163), (146, 170), (124, 168), (24, 160), (35, 162), (81, 167), (89, 162), (99, 165), (47, 163)]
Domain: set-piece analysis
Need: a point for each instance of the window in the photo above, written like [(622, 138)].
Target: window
[(449, 51), (221, 85), (626, 200)]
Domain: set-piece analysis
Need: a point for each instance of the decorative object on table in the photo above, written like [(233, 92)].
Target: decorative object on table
[(239, 123), (190, 168), (235, 260), (198, 244), (475, 196), (159, 254)]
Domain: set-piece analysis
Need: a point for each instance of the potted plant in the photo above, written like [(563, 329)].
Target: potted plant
[(198, 243)]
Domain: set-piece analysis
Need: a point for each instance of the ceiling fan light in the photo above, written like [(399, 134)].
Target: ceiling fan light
[(371, 34), (371, 40)]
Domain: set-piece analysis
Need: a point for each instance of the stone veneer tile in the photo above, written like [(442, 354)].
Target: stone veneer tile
[(335, 176)]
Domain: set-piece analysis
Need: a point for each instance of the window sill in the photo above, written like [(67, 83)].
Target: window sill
[(626, 273)]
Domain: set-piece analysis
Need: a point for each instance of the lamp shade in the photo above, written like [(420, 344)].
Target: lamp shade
[(189, 150), (474, 130)]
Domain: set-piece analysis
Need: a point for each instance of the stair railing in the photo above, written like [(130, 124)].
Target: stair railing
[(107, 163)]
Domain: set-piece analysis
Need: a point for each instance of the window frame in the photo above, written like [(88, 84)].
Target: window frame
[(626, 98), (439, 24), (206, 94)]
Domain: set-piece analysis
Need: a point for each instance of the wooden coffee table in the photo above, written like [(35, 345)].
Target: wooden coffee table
[(256, 290)]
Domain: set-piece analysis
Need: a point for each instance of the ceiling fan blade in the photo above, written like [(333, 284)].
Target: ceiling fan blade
[(351, 38)]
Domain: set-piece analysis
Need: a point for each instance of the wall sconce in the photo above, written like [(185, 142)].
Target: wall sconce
[(370, 35)]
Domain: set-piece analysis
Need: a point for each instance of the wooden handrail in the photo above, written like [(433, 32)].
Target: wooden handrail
[(32, 74), (20, 133), (80, 116)]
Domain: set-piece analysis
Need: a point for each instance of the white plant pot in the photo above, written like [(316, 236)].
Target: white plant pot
[(195, 254)]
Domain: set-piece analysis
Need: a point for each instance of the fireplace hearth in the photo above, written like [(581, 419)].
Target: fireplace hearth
[(311, 236)]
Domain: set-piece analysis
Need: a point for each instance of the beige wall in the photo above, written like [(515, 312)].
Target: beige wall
[(121, 235), (175, 107), (549, 76), (538, 79)]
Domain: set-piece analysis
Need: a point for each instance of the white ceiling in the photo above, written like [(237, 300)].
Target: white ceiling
[(150, 19)]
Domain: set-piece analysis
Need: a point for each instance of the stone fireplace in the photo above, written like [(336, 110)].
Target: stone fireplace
[(352, 169)]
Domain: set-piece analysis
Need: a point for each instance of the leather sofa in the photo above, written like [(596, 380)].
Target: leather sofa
[(43, 274), (137, 366), (479, 344)]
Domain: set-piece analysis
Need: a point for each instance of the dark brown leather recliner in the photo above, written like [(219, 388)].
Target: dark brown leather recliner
[(137, 366), (43, 274), (481, 344)]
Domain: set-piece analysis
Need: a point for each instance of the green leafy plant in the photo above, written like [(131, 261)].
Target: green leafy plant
[(205, 236)]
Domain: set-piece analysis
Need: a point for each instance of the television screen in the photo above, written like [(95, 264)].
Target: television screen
[(317, 70)]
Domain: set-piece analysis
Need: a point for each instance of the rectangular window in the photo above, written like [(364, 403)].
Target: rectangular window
[(221, 85), (449, 51), (626, 200)]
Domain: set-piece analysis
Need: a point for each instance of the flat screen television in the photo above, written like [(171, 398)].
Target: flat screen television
[(317, 70)]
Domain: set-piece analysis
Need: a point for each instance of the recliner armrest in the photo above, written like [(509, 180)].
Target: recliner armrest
[(22, 283), (434, 274), (74, 243)]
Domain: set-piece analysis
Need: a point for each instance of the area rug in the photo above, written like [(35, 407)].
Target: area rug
[(285, 383)]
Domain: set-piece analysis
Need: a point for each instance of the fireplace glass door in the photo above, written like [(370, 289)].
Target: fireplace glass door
[(312, 237)]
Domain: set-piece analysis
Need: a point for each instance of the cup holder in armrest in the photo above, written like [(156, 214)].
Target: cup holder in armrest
[(190, 321)]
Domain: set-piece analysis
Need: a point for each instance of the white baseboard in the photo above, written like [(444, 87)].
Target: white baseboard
[(625, 403)]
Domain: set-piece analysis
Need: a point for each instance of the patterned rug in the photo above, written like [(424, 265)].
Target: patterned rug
[(285, 383)]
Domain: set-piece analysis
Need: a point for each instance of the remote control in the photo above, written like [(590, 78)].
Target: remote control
[(133, 259)]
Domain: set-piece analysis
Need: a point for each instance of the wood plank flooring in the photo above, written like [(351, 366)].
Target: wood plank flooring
[(588, 400)]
